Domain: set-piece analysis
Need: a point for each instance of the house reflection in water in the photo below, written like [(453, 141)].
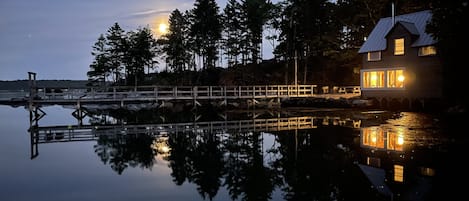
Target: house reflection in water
[(379, 138), (393, 164)]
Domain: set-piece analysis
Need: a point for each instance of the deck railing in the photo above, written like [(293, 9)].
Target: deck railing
[(65, 133), (181, 92)]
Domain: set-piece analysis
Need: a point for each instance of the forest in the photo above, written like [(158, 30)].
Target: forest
[(316, 40)]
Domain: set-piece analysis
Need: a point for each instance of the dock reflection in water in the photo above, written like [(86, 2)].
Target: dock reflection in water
[(282, 157)]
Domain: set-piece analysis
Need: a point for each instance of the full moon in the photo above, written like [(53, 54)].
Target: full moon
[(163, 28)]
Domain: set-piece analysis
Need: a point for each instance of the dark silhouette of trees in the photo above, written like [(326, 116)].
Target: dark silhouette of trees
[(205, 31), (256, 16), (232, 31), (176, 43), (123, 151), (141, 51), (318, 38), (447, 25), (99, 69), (116, 48)]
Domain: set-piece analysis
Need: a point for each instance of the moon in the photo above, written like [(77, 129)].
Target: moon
[(163, 28)]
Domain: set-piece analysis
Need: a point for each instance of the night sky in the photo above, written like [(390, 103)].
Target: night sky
[(54, 38)]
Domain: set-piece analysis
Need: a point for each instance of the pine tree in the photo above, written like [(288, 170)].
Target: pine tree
[(117, 47), (142, 49), (257, 12), (206, 31), (232, 31), (99, 69), (175, 43)]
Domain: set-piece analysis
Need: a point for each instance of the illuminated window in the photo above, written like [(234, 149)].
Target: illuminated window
[(373, 137), (395, 78), (373, 79), (395, 141), (374, 56), (399, 46), (427, 51), (398, 173)]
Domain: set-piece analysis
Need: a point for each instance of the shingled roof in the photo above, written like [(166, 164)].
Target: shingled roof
[(415, 23)]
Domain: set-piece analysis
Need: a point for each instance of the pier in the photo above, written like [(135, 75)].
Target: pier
[(64, 95)]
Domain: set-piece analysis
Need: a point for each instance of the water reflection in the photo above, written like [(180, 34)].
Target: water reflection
[(320, 157), (400, 161)]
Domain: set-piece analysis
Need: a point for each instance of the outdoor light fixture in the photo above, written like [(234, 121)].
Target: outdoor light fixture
[(400, 78), (400, 139)]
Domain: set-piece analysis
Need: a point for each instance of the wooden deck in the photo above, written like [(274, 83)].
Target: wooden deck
[(187, 93)]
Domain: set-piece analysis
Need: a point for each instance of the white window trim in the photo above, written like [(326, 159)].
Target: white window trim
[(385, 79), (369, 58), (403, 47), (426, 55)]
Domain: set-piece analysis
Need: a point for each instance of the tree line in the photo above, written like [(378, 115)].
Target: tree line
[(320, 37)]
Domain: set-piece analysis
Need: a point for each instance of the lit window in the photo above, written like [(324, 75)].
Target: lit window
[(427, 51), (373, 137), (398, 173), (373, 79), (396, 79), (399, 46), (395, 141), (374, 56)]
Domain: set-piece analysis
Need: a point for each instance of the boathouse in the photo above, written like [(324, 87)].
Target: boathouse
[(400, 61)]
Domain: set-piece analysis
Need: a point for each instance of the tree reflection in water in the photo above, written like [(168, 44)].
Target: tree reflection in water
[(323, 163), (122, 151), (304, 165), (205, 159), (314, 167)]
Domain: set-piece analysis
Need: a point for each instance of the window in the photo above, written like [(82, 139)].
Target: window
[(373, 137), (374, 56), (373, 79), (395, 141), (395, 79), (399, 46), (427, 51), (398, 173)]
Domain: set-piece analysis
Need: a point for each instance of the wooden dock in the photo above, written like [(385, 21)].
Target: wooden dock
[(196, 94)]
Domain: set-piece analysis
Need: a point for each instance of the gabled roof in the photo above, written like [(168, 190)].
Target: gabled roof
[(410, 27), (415, 23)]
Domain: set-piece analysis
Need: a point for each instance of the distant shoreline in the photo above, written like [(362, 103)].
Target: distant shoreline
[(18, 85)]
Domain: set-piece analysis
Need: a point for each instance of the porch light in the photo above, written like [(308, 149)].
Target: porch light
[(373, 137), (400, 140), (400, 78)]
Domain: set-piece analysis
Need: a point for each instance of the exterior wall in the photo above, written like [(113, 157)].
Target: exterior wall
[(423, 74)]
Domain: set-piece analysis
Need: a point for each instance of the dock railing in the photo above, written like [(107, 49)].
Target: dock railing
[(180, 92)]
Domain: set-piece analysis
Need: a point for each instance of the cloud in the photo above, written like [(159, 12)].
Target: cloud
[(148, 13)]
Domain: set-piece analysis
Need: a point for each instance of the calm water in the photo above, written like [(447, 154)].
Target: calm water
[(257, 155)]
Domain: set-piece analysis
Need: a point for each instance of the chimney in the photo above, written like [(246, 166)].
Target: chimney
[(392, 10)]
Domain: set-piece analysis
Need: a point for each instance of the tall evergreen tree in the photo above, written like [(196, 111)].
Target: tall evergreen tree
[(117, 47), (99, 69), (273, 24), (142, 49), (232, 22), (176, 43), (309, 35), (206, 31), (257, 13)]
